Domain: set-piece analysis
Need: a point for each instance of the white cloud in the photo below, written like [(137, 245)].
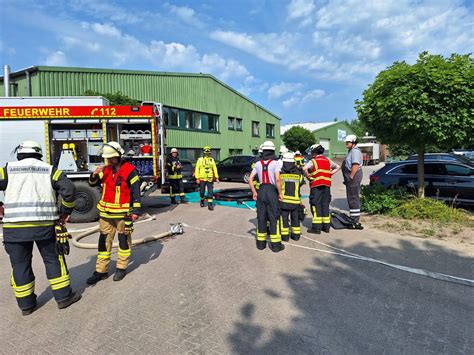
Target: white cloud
[(104, 9), (313, 95), (186, 14), (56, 58), (301, 10), (300, 98), (278, 90)]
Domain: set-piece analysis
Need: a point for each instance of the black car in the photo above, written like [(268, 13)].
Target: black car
[(189, 181), (444, 157), (237, 167), (445, 180)]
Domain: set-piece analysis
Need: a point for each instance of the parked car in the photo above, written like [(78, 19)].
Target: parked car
[(445, 180), (469, 154), (237, 167), (189, 181), (443, 156)]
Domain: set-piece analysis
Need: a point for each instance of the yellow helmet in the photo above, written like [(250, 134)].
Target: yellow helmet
[(206, 149), (112, 149)]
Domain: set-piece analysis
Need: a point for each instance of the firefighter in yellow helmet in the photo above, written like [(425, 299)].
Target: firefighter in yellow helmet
[(175, 176), (206, 173), (299, 160), (31, 216), (118, 208)]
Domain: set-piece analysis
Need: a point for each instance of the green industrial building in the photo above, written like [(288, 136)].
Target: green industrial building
[(331, 135), (198, 108)]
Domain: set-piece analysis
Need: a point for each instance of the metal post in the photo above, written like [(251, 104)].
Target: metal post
[(6, 79)]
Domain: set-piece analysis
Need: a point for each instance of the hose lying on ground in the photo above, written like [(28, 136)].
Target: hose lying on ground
[(346, 254), (175, 229)]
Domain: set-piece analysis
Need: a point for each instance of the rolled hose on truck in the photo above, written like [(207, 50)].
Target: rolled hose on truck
[(175, 229)]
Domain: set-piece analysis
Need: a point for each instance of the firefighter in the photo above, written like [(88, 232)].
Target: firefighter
[(268, 197), (319, 171), (299, 160), (352, 174), (31, 213), (118, 208), (206, 173), (175, 176), (256, 183), (291, 181)]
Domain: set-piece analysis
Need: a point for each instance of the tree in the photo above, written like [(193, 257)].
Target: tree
[(429, 102), (357, 127), (298, 138), (117, 99)]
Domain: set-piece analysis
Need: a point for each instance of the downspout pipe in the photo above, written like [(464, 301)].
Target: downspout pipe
[(28, 83), (6, 80)]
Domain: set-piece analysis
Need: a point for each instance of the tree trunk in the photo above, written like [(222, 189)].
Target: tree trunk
[(421, 171)]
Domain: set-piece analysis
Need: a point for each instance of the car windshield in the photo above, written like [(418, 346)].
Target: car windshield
[(187, 166)]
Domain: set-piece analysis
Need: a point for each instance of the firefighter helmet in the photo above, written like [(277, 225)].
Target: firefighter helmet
[(283, 149), (317, 149), (29, 147), (268, 145), (206, 149), (112, 149), (351, 138), (288, 157), (174, 150)]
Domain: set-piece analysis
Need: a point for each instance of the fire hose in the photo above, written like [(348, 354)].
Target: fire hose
[(175, 229)]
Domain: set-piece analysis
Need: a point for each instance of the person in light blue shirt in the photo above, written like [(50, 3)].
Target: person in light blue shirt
[(352, 173)]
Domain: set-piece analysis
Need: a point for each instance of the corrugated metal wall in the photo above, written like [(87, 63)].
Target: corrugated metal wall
[(337, 147), (192, 92)]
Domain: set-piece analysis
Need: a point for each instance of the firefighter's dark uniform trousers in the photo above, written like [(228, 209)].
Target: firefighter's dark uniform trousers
[(290, 213), (320, 199), (176, 188), (210, 190), (268, 210), (23, 278), (352, 191)]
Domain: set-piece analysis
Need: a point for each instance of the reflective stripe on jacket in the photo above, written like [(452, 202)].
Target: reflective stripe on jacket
[(320, 172), (29, 195)]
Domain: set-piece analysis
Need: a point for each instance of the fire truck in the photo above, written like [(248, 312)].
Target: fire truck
[(72, 131)]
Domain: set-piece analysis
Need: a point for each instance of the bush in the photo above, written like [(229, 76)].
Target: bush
[(376, 199), (429, 209)]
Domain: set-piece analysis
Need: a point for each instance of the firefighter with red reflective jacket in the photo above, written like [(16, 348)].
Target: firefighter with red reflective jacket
[(118, 208), (319, 171)]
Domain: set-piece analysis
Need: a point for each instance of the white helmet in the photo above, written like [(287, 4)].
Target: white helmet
[(288, 157), (268, 145), (174, 150), (297, 152), (112, 149), (283, 149), (260, 149), (351, 138), (28, 147)]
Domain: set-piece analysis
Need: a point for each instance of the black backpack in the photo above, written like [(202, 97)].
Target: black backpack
[(340, 220)]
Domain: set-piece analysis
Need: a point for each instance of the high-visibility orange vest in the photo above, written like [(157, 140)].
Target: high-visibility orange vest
[(320, 172), (116, 193)]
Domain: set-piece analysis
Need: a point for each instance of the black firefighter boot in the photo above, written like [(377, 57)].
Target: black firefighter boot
[(295, 237), (183, 199), (285, 238), (173, 201), (73, 298), (261, 244), (201, 203), (315, 229), (120, 274), (277, 247), (326, 228), (96, 277), (210, 206)]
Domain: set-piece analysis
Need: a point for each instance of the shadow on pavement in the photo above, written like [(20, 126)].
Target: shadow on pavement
[(349, 306), (141, 254)]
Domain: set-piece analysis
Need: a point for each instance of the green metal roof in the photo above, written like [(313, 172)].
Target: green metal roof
[(40, 68)]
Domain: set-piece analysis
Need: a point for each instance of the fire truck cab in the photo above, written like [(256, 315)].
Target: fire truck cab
[(72, 131)]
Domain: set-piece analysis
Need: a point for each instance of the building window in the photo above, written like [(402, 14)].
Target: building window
[(238, 124), (255, 129), (231, 123), (214, 123), (270, 130), (185, 119), (233, 152)]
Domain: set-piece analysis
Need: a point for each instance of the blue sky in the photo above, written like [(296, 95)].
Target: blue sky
[(305, 60)]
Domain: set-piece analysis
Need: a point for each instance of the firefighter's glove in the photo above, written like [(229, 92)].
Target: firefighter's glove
[(302, 213), (128, 225), (62, 239)]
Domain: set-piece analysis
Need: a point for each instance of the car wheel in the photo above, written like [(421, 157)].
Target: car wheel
[(246, 177), (87, 198)]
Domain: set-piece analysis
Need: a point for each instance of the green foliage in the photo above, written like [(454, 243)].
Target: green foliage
[(358, 127), (428, 103), (117, 99), (376, 199), (298, 138), (429, 209)]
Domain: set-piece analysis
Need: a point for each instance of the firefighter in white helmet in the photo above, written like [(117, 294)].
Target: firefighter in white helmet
[(267, 197), (175, 176), (119, 207), (352, 173), (31, 215)]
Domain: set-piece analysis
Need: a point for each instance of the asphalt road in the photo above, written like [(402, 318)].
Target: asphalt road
[(207, 292)]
